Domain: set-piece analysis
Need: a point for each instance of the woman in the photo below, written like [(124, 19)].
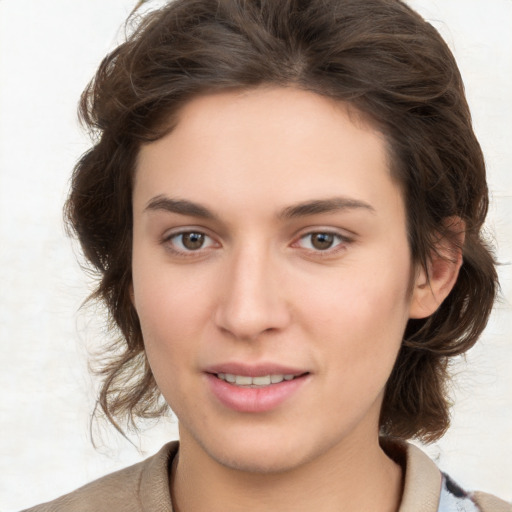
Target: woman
[(284, 204)]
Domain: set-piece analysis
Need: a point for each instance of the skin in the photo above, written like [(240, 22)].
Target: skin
[(260, 291)]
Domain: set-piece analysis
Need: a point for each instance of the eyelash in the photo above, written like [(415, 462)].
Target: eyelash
[(169, 242), (340, 243)]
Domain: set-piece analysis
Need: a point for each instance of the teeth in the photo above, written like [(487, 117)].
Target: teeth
[(245, 380), (261, 381)]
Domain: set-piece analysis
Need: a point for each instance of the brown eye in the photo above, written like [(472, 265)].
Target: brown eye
[(192, 241), (322, 241), (189, 241)]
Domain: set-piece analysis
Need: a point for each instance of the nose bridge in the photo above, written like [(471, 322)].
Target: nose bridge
[(251, 302)]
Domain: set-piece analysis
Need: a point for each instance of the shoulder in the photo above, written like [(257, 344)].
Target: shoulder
[(427, 489), (143, 486), (489, 503)]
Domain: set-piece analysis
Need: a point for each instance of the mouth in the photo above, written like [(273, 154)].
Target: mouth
[(246, 381), (255, 388)]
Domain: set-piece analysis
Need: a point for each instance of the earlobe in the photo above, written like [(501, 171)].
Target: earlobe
[(433, 284)]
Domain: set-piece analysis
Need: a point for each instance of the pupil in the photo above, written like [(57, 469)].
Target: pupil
[(322, 240), (193, 240)]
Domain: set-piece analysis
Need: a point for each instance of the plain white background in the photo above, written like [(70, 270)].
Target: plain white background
[(48, 51)]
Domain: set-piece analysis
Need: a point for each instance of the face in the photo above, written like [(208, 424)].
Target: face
[(271, 276)]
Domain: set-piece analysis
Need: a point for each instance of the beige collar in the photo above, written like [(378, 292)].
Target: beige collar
[(422, 486)]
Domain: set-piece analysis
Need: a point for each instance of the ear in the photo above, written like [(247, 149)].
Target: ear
[(433, 284)]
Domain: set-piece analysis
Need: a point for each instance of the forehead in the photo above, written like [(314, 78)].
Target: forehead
[(273, 145)]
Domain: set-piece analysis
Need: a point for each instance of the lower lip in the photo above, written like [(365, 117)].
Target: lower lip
[(261, 399)]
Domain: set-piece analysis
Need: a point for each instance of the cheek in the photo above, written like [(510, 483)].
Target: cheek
[(168, 299), (359, 300), (171, 311), (357, 342), (362, 313), (167, 319), (167, 331)]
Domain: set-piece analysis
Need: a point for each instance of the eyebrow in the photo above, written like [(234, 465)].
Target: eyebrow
[(180, 206), (319, 206), (304, 209)]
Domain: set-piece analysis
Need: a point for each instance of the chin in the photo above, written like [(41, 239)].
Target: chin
[(266, 455), (263, 462)]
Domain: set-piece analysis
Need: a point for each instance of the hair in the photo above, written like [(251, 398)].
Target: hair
[(378, 56)]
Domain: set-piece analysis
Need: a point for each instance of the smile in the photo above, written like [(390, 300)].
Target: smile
[(254, 382), (258, 393)]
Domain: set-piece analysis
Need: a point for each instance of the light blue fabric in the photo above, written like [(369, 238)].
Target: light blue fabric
[(454, 499)]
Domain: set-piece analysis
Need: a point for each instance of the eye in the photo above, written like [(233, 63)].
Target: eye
[(189, 241), (320, 241)]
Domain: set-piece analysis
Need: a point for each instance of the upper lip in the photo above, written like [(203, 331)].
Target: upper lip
[(254, 370)]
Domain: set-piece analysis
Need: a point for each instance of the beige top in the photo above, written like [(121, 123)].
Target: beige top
[(144, 487)]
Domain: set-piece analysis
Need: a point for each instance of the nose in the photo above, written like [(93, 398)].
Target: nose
[(252, 298)]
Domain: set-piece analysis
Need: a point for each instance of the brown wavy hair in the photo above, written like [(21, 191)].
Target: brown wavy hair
[(379, 56)]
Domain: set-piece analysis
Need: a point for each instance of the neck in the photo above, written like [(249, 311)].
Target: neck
[(340, 480)]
